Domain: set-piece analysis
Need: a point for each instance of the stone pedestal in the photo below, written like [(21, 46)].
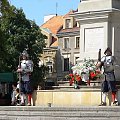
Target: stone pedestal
[(99, 28)]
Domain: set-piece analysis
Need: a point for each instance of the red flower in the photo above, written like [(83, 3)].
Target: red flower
[(78, 78), (73, 78), (71, 82), (71, 75), (95, 75), (92, 75)]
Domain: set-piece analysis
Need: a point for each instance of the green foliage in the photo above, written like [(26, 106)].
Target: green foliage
[(16, 34), (4, 8), (68, 77)]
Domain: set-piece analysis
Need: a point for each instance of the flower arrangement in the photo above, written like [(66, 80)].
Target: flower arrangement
[(87, 67), (86, 71), (94, 75), (73, 78)]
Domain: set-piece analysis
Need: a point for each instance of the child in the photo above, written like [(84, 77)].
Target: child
[(14, 86), (18, 97)]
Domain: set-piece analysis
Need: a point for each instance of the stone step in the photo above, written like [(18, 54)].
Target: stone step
[(67, 83), (92, 83), (55, 118), (62, 114), (59, 113), (63, 83), (81, 87), (59, 108)]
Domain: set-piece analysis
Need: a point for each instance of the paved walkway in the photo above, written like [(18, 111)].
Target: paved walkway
[(59, 113)]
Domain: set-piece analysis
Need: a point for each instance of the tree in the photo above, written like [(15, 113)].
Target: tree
[(20, 33), (4, 5), (5, 9)]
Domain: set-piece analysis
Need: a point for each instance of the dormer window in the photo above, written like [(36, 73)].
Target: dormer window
[(68, 23)]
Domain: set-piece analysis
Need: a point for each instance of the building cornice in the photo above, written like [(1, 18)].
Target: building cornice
[(66, 34), (50, 48), (90, 15)]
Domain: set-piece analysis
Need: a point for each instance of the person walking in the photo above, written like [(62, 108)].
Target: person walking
[(109, 83)]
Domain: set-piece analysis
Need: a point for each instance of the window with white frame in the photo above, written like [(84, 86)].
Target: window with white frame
[(68, 23), (77, 42), (66, 43), (76, 60)]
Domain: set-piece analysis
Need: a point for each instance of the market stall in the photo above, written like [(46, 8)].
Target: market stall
[(6, 80)]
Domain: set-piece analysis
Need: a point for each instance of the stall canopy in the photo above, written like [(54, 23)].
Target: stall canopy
[(6, 77)]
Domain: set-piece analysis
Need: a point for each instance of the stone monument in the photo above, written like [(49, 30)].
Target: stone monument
[(99, 28)]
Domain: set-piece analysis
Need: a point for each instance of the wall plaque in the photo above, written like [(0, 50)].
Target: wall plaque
[(94, 39)]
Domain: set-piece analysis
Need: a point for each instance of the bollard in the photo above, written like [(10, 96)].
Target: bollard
[(49, 104)]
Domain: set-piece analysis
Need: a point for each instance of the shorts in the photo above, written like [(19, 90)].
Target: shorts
[(109, 86), (110, 83), (26, 87)]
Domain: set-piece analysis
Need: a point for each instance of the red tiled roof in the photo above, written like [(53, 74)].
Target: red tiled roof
[(53, 24), (69, 30), (54, 44), (67, 15), (70, 12)]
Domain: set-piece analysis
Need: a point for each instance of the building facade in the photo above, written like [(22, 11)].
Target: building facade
[(99, 29), (68, 45), (49, 56)]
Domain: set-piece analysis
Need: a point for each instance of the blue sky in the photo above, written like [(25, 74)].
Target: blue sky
[(37, 9)]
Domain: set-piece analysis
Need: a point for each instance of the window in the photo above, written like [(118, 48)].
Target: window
[(66, 64), (66, 43), (68, 23), (77, 43), (76, 60), (50, 67), (78, 25)]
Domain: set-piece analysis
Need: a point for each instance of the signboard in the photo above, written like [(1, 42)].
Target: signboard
[(94, 39)]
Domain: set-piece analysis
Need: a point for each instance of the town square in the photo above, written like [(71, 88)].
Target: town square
[(66, 67)]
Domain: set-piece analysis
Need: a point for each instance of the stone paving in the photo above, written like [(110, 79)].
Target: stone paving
[(60, 113)]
